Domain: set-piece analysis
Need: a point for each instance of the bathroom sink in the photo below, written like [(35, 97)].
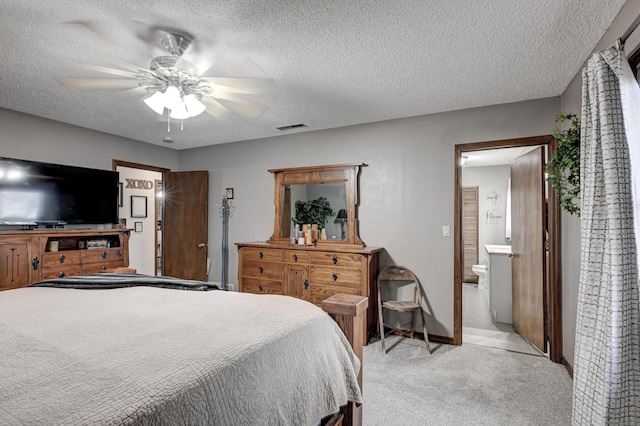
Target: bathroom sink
[(497, 248)]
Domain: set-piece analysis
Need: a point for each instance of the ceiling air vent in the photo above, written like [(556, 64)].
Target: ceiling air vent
[(291, 127)]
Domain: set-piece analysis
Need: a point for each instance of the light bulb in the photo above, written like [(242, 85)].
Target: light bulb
[(156, 102), (172, 98), (194, 106), (180, 112)]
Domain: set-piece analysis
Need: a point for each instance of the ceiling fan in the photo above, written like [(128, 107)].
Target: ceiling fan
[(175, 84)]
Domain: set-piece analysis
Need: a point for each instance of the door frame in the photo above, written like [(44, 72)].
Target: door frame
[(554, 286), (121, 163)]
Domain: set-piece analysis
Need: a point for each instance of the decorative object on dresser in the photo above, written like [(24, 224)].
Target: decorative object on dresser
[(341, 218), (322, 269), (32, 256)]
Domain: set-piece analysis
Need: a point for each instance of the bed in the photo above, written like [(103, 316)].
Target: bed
[(172, 353)]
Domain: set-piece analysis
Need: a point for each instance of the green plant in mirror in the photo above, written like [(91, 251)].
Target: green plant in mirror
[(313, 212), (563, 168)]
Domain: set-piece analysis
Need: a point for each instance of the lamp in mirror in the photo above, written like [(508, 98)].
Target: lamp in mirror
[(341, 218)]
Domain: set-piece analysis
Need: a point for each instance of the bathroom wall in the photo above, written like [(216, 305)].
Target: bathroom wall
[(491, 220)]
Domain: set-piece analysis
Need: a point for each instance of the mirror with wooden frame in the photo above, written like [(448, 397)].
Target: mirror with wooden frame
[(335, 185)]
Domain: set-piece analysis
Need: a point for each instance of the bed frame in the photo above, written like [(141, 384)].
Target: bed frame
[(350, 313)]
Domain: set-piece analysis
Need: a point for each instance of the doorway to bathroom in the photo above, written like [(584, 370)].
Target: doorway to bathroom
[(516, 267)]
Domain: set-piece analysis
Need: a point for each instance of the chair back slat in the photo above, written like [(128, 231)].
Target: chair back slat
[(396, 273)]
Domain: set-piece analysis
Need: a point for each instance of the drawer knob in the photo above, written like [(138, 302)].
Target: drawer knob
[(260, 287), (261, 269), (104, 254), (261, 254), (104, 268), (306, 284), (61, 274), (295, 257), (335, 259), (62, 258), (335, 276), (35, 262)]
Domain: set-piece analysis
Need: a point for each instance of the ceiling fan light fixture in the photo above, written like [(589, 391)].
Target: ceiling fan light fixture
[(179, 113), (156, 102), (172, 98), (193, 105)]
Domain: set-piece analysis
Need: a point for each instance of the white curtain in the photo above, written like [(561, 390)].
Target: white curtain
[(607, 355)]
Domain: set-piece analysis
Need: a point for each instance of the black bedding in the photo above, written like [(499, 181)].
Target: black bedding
[(105, 281)]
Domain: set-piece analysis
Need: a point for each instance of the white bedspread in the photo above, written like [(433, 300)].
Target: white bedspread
[(149, 356)]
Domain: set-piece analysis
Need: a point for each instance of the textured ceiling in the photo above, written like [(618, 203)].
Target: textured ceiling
[(335, 63)]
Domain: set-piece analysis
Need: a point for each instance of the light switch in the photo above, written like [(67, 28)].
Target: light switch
[(446, 231)]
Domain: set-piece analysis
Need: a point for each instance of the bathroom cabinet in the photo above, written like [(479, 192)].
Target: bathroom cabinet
[(499, 282)]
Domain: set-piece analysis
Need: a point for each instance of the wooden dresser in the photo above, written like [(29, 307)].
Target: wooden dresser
[(310, 273), (26, 257)]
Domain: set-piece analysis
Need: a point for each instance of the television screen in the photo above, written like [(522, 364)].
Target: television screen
[(42, 193)]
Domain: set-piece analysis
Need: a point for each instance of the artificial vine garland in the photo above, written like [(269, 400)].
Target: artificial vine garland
[(563, 168)]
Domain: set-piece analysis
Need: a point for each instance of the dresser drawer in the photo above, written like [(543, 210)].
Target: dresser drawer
[(61, 272), (60, 258), (102, 255), (317, 293), (295, 256), (92, 268), (260, 255), (347, 260), (263, 270), (338, 277), (261, 286)]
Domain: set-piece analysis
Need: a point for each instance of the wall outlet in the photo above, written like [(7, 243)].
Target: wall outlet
[(446, 231)]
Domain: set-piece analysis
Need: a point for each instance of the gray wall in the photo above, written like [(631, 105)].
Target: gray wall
[(571, 103), (33, 138), (406, 191)]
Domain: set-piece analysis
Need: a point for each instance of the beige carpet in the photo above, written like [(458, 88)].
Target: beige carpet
[(462, 385)]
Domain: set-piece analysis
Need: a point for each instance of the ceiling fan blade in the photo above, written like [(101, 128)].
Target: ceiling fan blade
[(215, 108), (140, 91), (98, 83), (113, 39), (110, 70), (241, 106), (93, 27), (242, 84)]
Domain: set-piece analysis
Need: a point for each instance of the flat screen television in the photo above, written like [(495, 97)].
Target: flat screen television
[(35, 193)]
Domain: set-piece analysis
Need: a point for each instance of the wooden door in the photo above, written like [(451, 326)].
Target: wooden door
[(469, 233), (184, 239), (527, 245)]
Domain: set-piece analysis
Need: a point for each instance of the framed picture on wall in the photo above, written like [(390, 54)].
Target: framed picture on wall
[(138, 206), (138, 226)]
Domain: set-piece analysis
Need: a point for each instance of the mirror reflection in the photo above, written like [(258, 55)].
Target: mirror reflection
[(325, 200)]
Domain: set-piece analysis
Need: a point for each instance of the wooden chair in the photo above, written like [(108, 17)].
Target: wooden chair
[(397, 273)]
